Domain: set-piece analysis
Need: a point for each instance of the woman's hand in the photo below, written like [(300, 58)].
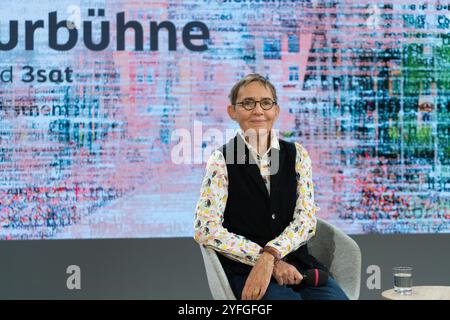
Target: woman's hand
[(286, 273), (259, 278)]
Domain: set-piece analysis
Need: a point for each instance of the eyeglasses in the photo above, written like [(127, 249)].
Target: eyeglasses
[(250, 104)]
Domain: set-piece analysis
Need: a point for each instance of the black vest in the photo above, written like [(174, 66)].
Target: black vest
[(251, 212)]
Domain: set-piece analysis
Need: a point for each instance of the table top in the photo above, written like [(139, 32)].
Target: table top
[(420, 293)]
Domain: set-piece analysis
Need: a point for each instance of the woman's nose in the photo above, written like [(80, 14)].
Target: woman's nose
[(258, 109)]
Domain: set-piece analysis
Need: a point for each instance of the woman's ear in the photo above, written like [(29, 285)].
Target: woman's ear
[(231, 112)]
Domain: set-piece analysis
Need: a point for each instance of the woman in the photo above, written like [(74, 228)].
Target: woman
[(256, 207)]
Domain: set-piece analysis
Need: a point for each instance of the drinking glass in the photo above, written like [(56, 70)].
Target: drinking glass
[(403, 280)]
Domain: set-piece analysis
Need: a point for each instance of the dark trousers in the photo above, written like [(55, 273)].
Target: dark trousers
[(331, 291)]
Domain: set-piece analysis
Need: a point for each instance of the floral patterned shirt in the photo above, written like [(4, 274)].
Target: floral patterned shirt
[(208, 229)]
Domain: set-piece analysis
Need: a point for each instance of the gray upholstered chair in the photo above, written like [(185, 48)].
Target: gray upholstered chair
[(331, 246)]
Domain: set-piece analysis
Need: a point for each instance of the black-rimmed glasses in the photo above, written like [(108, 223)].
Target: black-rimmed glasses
[(250, 104)]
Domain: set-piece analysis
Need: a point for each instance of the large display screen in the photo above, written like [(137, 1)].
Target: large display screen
[(109, 109)]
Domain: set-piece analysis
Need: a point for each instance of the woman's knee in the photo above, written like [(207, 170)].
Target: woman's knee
[(331, 291), (335, 290)]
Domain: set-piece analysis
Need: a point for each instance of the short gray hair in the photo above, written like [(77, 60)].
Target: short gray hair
[(252, 77)]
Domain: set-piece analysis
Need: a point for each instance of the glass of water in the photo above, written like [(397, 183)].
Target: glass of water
[(403, 280)]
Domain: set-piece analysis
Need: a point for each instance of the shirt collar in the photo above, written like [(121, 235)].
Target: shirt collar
[(274, 142)]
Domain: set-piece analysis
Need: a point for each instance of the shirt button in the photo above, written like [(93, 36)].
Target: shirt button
[(273, 216)]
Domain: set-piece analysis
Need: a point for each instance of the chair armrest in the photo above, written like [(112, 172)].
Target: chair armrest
[(217, 279)]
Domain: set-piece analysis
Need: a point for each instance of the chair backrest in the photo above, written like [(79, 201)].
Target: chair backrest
[(340, 254), (331, 246)]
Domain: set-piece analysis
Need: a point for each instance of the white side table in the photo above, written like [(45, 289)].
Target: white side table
[(420, 293)]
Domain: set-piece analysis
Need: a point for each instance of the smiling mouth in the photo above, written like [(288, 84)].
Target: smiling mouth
[(258, 121)]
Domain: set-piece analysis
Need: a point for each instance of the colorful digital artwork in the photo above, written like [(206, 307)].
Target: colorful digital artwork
[(89, 123)]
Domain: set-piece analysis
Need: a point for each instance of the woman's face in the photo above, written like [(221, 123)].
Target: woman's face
[(257, 119)]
